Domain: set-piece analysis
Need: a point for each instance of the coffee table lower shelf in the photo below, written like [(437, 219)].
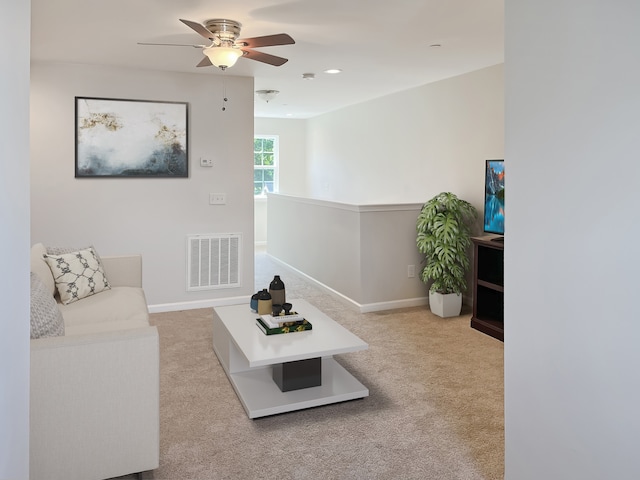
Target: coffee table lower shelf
[(306, 373), (260, 395)]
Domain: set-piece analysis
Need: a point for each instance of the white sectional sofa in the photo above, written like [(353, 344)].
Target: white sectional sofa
[(95, 388)]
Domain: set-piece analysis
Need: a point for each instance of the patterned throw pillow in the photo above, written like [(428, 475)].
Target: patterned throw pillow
[(63, 250), (77, 274), (46, 318)]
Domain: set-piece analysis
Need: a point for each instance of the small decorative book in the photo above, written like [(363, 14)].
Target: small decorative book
[(276, 321), (286, 327)]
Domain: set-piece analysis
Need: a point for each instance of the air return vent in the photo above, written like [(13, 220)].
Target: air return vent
[(213, 261)]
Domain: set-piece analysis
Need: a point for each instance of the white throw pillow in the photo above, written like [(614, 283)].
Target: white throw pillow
[(46, 318), (63, 250), (77, 274)]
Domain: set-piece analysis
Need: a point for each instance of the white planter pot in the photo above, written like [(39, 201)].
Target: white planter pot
[(449, 305)]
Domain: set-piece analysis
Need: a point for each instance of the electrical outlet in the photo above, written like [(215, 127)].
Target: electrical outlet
[(206, 162), (217, 199), (411, 271)]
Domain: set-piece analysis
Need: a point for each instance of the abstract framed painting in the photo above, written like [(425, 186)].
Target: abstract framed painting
[(131, 138)]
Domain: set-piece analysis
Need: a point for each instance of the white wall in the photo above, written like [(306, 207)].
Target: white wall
[(360, 252), (409, 146), (292, 135), (321, 239), (387, 248), (147, 216), (14, 238), (401, 149), (572, 334)]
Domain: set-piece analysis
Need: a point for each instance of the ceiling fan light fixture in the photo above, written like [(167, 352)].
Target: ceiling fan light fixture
[(223, 57), (267, 95)]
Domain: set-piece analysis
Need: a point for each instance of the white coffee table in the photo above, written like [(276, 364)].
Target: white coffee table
[(248, 357)]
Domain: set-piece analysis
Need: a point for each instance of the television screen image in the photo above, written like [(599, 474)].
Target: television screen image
[(494, 197)]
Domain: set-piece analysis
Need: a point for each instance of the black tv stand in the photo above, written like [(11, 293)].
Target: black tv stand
[(488, 286)]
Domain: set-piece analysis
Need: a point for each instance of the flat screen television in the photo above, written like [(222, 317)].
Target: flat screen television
[(494, 197)]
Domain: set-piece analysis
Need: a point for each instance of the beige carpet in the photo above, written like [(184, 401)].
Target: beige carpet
[(435, 409)]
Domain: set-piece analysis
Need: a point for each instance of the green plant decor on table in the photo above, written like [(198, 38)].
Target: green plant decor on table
[(444, 237)]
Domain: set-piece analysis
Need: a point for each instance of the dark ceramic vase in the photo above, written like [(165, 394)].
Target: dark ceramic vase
[(265, 303), (277, 291), (254, 302)]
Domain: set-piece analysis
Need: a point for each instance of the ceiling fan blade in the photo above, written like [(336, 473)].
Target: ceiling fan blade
[(205, 62), (267, 41), (173, 44), (199, 28), (264, 57)]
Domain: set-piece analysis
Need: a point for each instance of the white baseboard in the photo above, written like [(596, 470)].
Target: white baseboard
[(362, 308), (393, 304), (193, 305)]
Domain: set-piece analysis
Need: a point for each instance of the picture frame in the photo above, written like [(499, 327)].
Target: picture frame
[(131, 138)]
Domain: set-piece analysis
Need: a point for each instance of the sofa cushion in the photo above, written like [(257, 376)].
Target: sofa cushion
[(40, 267), (46, 318), (77, 275), (119, 308)]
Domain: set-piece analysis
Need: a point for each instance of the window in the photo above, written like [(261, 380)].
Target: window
[(265, 164)]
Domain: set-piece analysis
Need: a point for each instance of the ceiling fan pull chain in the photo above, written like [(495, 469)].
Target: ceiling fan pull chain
[(224, 94)]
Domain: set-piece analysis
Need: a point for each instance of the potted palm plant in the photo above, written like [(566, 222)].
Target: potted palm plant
[(444, 237)]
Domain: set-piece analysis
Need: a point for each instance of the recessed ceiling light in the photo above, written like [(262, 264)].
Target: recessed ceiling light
[(333, 71)]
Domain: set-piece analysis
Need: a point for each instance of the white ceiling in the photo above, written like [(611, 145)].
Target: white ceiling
[(382, 46)]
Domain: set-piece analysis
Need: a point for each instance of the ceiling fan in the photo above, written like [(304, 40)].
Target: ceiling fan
[(226, 48)]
